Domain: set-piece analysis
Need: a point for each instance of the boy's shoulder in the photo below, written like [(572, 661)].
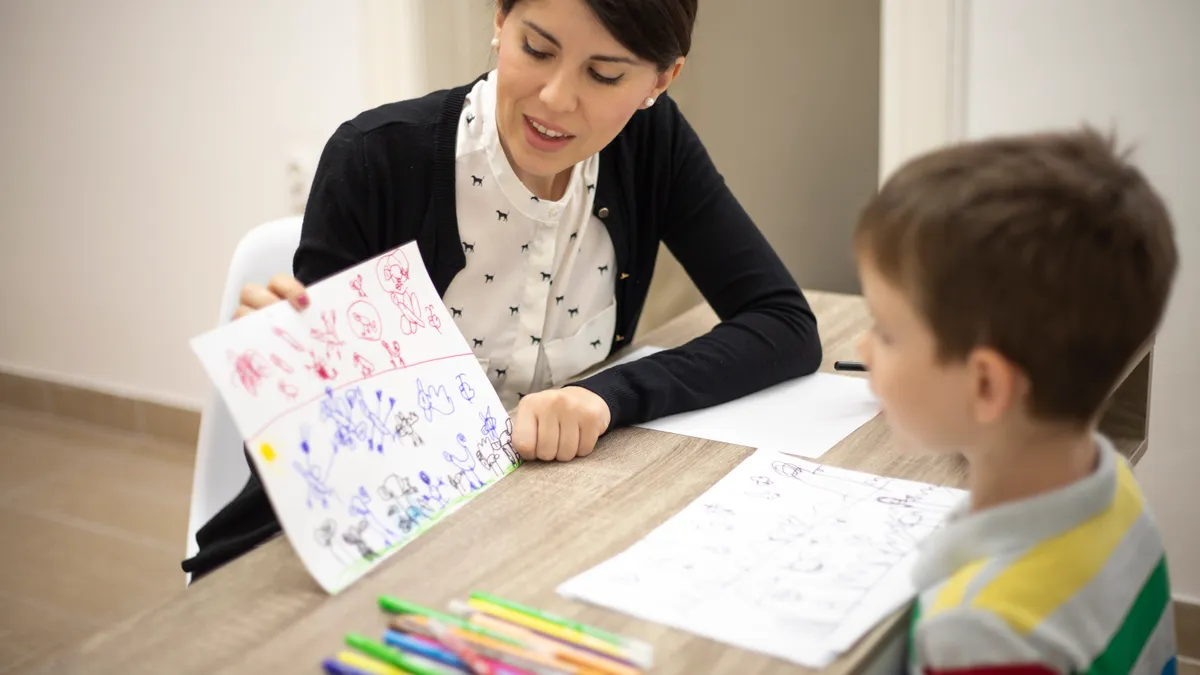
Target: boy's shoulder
[(1070, 581)]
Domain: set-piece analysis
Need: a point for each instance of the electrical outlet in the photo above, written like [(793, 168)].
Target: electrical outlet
[(300, 167)]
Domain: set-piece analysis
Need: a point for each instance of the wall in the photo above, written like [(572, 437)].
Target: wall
[(140, 140), (785, 95), (1031, 64)]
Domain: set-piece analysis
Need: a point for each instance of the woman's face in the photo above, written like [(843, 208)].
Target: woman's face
[(566, 87)]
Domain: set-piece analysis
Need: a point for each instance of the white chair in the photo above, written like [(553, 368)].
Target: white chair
[(221, 469)]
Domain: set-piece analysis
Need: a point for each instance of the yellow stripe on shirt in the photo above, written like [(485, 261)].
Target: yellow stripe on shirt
[(1050, 573), (952, 593)]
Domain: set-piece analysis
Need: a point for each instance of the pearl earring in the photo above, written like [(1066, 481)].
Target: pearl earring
[(649, 101), (495, 43)]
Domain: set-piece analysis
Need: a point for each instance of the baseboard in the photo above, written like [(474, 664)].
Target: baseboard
[(123, 413), (1187, 629)]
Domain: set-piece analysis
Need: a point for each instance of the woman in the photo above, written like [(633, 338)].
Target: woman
[(539, 195)]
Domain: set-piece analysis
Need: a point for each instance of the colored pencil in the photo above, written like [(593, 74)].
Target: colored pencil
[(437, 651), (365, 664), (394, 658), (338, 667), (470, 659), (554, 630), (618, 640), (397, 606), (533, 661), (564, 651)]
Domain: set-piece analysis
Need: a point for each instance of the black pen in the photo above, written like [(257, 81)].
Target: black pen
[(851, 366)]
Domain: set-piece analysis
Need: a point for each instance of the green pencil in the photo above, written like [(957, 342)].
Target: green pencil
[(638, 648), (390, 656), (397, 606)]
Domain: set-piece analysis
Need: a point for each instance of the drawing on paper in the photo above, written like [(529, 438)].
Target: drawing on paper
[(815, 554), (364, 321), (361, 448)]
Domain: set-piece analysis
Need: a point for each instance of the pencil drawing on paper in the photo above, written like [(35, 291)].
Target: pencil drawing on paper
[(804, 548), (370, 445)]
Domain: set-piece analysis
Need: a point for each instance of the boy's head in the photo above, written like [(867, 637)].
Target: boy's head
[(1012, 280)]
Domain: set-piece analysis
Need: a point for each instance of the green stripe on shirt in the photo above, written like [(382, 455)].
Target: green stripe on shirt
[(1123, 650)]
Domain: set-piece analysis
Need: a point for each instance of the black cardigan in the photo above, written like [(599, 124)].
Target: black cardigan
[(387, 178)]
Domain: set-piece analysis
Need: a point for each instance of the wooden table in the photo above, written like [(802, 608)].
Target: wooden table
[(538, 527)]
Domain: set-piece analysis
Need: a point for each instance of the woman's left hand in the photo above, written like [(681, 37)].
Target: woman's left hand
[(559, 424)]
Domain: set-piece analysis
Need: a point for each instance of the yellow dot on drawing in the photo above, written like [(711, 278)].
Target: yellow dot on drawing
[(267, 451)]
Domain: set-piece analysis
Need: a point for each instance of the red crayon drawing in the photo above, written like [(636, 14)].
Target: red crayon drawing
[(319, 368), (364, 365), (434, 322), (281, 364), (356, 284), (249, 368), (329, 336), (393, 351), (364, 320), (288, 390), (392, 270), (410, 312), (286, 337)]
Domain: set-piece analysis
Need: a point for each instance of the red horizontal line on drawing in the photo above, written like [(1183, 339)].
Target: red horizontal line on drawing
[(360, 380)]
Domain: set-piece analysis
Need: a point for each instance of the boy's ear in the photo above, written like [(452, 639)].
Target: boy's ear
[(998, 385)]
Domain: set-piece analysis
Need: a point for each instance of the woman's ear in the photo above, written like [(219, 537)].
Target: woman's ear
[(499, 23), (666, 77)]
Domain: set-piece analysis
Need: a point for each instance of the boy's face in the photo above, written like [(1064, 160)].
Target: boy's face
[(927, 403)]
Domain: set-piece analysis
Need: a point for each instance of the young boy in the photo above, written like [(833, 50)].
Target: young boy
[(1012, 282)]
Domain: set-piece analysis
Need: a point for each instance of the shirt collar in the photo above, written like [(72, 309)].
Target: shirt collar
[(967, 537), (483, 106)]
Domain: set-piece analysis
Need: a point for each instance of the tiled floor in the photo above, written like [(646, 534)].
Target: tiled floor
[(93, 523)]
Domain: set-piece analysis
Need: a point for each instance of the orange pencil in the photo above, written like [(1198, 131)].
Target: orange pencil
[(562, 651), (527, 659)]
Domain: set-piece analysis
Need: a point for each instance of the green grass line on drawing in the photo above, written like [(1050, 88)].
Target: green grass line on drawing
[(356, 569)]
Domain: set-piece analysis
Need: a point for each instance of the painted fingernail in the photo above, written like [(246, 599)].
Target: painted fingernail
[(302, 301)]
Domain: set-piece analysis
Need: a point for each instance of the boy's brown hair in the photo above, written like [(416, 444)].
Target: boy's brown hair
[(1050, 248)]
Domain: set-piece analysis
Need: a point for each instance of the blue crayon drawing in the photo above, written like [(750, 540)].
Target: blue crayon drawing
[(489, 424), (433, 497), (465, 465), (359, 507), (434, 398), (357, 419), (316, 478), (464, 388)]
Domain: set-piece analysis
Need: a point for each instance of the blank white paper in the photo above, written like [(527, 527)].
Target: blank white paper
[(782, 556), (806, 416)]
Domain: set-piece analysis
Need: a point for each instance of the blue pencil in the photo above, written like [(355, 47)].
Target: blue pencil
[(433, 653)]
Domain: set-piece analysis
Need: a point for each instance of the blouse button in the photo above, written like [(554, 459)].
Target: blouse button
[(603, 212), (553, 211)]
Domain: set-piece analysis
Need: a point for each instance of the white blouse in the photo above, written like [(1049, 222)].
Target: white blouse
[(536, 298)]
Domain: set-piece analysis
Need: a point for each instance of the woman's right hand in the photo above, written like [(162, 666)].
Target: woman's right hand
[(282, 287)]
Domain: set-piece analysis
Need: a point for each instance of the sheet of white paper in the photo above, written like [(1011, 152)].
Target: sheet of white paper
[(782, 556), (806, 416), (367, 415)]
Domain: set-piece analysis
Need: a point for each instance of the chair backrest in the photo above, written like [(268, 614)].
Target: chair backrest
[(221, 469)]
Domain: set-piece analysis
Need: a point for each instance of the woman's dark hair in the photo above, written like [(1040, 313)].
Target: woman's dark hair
[(658, 31)]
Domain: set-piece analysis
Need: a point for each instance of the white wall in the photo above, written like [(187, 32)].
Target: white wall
[(138, 141), (1135, 66)]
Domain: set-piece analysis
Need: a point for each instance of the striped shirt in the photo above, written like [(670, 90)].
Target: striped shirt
[(1072, 581)]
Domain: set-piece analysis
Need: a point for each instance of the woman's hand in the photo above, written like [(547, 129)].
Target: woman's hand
[(282, 287), (559, 424)]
